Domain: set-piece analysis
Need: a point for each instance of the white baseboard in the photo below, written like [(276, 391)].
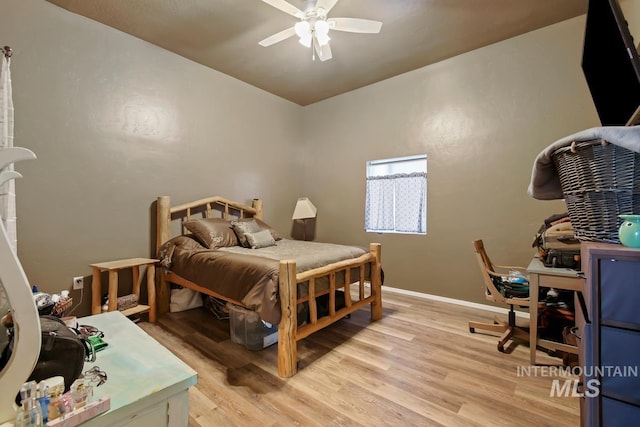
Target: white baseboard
[(464, 303)]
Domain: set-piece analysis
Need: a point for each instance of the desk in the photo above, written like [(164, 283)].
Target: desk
[(147, 384), (558, 278)]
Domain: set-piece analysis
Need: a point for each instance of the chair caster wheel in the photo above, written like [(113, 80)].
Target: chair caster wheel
[(472, 330), (500, 348)]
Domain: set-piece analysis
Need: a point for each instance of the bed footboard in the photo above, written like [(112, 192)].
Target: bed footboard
[(289, 333)]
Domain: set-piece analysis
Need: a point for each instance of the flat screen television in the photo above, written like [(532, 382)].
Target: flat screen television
[(610, 63)]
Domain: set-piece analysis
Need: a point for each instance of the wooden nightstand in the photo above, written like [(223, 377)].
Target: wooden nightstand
[(113, 267)]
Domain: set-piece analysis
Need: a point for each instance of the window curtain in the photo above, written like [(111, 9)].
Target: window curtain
[(396, 203), (379, 204), (7, 191)]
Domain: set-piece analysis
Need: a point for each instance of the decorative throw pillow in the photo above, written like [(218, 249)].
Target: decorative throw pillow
[(263, 226), (212, 232), (260, 239), (244, 227)]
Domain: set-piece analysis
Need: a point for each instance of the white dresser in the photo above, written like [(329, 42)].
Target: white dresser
[(147, 384)]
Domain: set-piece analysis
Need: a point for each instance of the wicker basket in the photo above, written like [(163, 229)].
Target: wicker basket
[(599, 181)]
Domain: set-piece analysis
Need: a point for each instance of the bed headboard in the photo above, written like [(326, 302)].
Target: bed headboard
[(210, 207)]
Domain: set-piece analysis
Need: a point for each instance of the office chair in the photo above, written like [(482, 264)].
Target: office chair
[(502, 286)]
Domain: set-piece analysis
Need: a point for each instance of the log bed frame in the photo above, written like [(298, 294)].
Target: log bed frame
[(288, 331)]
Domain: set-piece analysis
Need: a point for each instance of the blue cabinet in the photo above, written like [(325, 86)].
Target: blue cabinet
[(611, 343)]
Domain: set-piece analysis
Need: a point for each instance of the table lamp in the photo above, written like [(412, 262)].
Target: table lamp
[(304, 210)]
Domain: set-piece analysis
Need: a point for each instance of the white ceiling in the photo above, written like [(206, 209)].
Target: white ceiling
[(224, 35)]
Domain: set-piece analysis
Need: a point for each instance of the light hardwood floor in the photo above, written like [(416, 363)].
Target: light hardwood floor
[(418, 366)]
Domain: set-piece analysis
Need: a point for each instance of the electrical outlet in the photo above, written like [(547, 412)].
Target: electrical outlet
[(78, 282)]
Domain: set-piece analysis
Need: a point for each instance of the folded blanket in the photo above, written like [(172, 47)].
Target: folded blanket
[(545, 182)]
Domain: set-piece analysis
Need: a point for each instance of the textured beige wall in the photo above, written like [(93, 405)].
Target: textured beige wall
[(631, 10), (481, 118), (115, 122)]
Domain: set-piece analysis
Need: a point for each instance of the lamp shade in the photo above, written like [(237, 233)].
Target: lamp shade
[(304, 209)]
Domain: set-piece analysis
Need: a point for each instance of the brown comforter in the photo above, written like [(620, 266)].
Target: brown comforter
[(242, 276)]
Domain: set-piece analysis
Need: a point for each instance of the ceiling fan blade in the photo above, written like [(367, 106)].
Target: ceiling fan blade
[(278, 37), (355, 25), (326, 52), (323, 52), (286, 7), (327, 5)]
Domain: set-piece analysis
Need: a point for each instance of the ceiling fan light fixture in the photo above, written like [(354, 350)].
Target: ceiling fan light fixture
[(321, 29), (323, 40), (306, 40), (303, 29)]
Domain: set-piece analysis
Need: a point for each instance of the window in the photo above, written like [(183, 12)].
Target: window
[(396, 199)]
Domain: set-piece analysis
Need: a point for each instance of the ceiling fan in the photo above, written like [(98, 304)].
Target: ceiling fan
[(314, 25)]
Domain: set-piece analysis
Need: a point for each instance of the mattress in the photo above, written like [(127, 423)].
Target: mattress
[(250, 276)]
